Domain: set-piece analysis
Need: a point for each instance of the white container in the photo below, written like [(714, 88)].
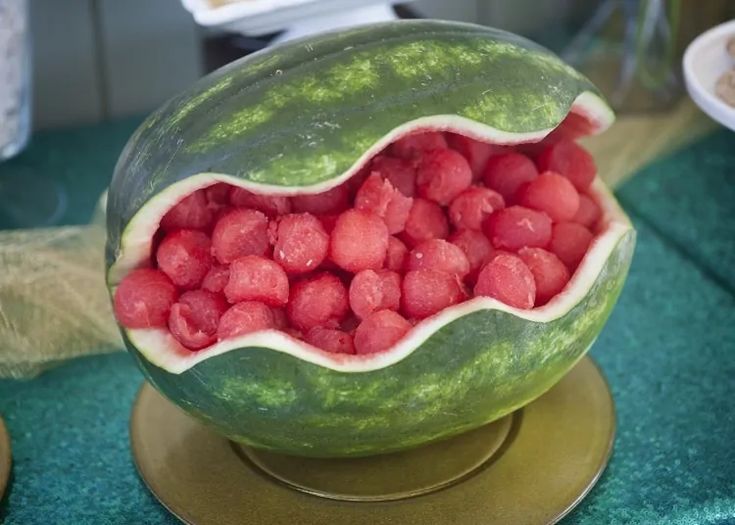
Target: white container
[(15, 89), (298, 17), (705, 60)]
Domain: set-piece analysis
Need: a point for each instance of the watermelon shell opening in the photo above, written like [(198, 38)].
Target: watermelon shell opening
[(454, 367)]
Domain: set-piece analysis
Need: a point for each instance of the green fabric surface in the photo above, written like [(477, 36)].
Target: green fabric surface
[(668, 352), (79, 160), (69, 432), (689, 198)]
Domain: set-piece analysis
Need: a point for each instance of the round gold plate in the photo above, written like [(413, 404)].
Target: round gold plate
[(388, 477), (5, 458), (555, 450)]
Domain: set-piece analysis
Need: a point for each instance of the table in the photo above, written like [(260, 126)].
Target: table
[(668, 352)]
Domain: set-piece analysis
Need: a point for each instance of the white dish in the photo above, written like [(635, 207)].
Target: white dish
[(705, 60), (256, 17)]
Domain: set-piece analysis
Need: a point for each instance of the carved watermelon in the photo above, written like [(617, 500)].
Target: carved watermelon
[(367, 240)]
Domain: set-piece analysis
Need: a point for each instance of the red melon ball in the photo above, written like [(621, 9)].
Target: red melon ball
[(238, 233), (552, 194), (570, 241), (329, 202), (395, 257), (571, 160), (588, 213), (380, 331), (280, 319), (471, 207), (414, 145), (320, 300), (331, 340), (185, 257), (477, 153), (255, 278), (216, 279), (301, 243), (441, 175), (515, 227), (374, 290), (475, 246), (244, 318), (359, 241), (143, 299), (191, 213), (194, 318), (507, 172), (507, 278), (271, 205), (397, 212), (426, 292), (378, 196), (439, 255), (549, 273), (401, 173), (425, 221)]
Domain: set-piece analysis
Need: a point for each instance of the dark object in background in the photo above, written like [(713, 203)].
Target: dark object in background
[(222, 49), (225, 48)]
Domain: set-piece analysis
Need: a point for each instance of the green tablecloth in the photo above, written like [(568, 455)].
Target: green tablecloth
[(668, 352)]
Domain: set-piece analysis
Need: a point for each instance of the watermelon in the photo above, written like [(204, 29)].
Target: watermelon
[(297, 129)]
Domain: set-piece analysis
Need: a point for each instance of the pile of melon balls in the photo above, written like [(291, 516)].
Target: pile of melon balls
[(432, 221)]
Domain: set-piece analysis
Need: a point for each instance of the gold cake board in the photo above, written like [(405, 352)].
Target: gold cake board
[(531, 467)]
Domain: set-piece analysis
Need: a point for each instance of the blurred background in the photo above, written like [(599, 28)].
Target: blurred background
[(111, 59), (67, 64), (101, 59)]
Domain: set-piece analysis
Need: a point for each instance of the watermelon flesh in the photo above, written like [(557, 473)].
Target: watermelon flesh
[(194, 318), (351, 270)]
